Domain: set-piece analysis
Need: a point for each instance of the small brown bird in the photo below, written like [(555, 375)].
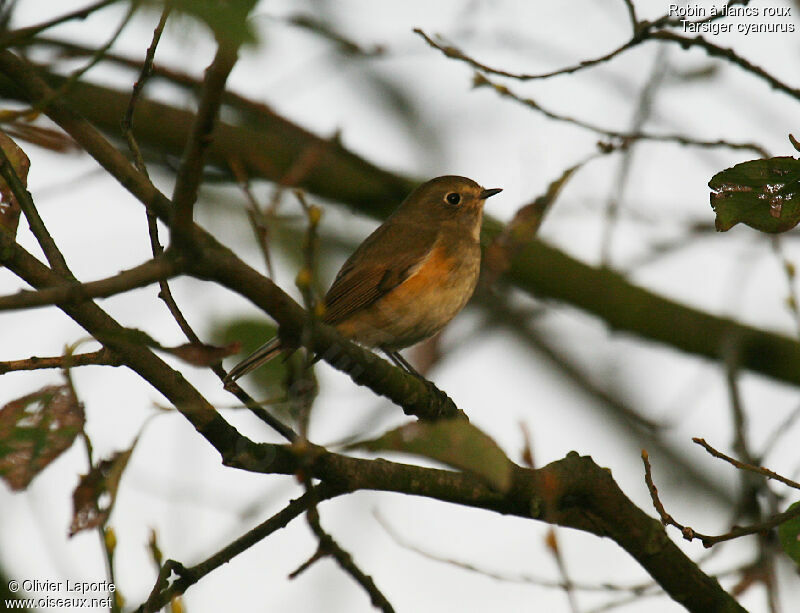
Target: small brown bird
[(410, 277)]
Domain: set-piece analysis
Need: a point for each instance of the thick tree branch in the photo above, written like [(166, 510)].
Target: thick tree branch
[(573, 492), (200, 413), (341, 176), (214, 261)]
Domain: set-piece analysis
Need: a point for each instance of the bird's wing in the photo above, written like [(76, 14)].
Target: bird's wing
[(383, 261)]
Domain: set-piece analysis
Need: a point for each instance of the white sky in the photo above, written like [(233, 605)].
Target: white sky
[(175, 483)]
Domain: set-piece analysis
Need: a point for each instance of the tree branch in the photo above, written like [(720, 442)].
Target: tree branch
[(690, 533), (163, 593), (573, 492), (190, 170), (103, 357), (159, 268), (341, 176), (759, 470)]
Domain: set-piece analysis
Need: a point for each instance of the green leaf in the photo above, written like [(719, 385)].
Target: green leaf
[(763, 194), (454, 442), (789, 536), (35, 430), (226, 18)]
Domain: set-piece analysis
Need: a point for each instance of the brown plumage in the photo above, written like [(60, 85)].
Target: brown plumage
[(408, 278)]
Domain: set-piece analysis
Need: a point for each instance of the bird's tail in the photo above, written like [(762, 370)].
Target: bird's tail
[(260, 356)]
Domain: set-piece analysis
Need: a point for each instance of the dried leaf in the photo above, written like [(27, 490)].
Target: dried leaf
[(763, 194), (202, 354), (9, 207), (96, 493), (35, 430), (454, 442), (47, 138), (521, 230)]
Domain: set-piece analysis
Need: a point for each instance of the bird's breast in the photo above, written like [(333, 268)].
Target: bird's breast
[(436, 290)]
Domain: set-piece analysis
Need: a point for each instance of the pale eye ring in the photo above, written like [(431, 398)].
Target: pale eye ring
[(453, 198)]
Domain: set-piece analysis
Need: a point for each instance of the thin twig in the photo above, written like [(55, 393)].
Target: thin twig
[(569, 587), (642, 32), (144, 274), (760, 470), (163, 591), (102, 357), (329, 547), (727, 54), (690, 533), (165, 292), (39, 230), (455, 53), (190, 169), (632, 15), (480, 80), (644, 108), (254, 212), (303, 390), (75, 75), (138, 86), (15, 37), (401, 541)]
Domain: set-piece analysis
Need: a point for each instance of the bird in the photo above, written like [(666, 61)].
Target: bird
[(408, 278)]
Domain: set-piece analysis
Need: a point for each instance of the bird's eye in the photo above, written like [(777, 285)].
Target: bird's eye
[(453, 198)]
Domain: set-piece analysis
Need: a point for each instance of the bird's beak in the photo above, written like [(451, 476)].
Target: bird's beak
[(488, 193)]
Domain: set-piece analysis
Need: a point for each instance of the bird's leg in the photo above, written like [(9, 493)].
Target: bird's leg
[(401, 362), (443, 400)]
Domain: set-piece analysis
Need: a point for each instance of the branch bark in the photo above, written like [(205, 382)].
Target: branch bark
[(268, 148)]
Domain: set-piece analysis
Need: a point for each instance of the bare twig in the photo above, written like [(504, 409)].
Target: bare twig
[(569, 587), (455, 53), (480, 80), (190, 170), (690, 533), (39, 230), (727, 54), (760, 470), (163, 591), (254, 213), (102, 357), (20, 35), (73, 78), (329, 547), (632, 16), (642, 32), (644, 108), (401, 541), (144, 274), (138, 86)]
